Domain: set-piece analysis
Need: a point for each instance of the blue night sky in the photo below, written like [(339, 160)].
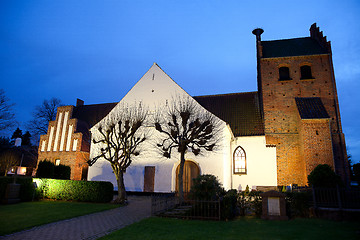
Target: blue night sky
[(97, 50)]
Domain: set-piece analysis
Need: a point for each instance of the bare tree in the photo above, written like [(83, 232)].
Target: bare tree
[(7, 117), (186, 126), (42, 115), (119, 140), (9, 158)]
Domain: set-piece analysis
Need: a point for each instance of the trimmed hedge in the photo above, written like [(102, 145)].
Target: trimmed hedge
[(47, 169), (71, 190), (26, 189), (56, 189), (62, 172)]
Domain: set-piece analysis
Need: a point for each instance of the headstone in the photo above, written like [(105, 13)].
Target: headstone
[(12, 193), (273, 206)]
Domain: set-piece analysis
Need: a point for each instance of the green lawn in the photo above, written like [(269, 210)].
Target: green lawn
[(25, 215), (242, 228)]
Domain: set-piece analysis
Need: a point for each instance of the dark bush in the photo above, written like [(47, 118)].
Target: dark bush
[(71, 190), (250, 202), (229, 205), (256, 203), (45, 169), (297, 204), (356, 170), (26, 189), (206, 187), (324, 176), (62, 172)]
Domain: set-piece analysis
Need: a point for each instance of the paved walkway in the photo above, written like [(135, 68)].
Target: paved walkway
[(90, 226)]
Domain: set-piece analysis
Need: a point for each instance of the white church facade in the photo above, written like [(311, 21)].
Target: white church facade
[(238, 162)]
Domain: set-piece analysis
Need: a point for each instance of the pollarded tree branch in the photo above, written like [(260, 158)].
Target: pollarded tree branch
[(119, 138)]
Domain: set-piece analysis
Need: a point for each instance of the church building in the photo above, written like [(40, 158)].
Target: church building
[(274, 136)]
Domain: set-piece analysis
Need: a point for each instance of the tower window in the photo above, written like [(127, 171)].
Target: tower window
[(284, 73), (306, 72), (239, 161)]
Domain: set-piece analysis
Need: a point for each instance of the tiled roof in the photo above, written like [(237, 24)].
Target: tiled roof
[(311, 108), (240, 110), (291, 47), (88, 116), (92, 114)]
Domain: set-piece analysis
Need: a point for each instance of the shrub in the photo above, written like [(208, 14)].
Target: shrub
[(62, 172), (356, 170), (324, 176), (256, 203), (250, 202), (70, 190), (26, 187), (45, 169), (229, 205), (206, 187), (297, 204)]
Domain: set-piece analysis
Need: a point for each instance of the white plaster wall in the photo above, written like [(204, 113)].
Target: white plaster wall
[(260, 161), (153, 90)]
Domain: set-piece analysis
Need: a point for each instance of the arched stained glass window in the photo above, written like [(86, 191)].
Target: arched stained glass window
[(239, 161)]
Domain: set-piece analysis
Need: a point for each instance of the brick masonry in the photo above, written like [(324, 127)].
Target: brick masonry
[(302, 144), (63, 142)]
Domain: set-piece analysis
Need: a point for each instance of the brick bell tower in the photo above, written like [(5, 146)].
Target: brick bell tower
[(300, 107)]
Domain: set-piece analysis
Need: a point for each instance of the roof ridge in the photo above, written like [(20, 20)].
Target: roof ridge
[(226, 94), (97, 104), (286, 39)]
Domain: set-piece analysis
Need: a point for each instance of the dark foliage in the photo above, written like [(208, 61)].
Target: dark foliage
[(250, 202), (7, 117), (4, 143), (229, 205), (17, 134), (26, 139), (27, 189), (324, 176), (45, 169), (206, 187), (297, 204), (356, 170), (62, 172)]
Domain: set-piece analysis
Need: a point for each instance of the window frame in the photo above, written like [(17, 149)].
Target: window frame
[(241, 156), (286, 78), (306, 72), (57, 162)]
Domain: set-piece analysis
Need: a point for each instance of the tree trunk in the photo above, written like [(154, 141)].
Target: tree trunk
[(180, 176), (121, 198)]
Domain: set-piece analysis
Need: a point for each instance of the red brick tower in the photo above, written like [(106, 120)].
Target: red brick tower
[(298, 94)]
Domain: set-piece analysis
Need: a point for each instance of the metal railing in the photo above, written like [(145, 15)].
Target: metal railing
[(341, 198), (170, 206)]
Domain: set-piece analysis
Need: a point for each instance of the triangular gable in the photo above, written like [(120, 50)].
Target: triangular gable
[(153, 90)]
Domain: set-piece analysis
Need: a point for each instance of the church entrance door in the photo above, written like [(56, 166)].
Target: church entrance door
[(191, 171)]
